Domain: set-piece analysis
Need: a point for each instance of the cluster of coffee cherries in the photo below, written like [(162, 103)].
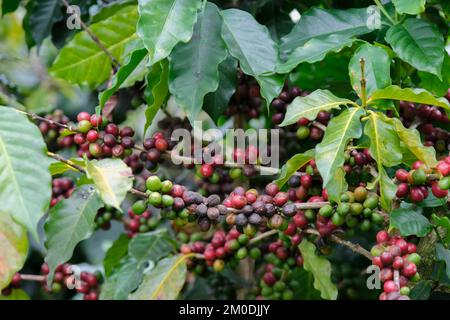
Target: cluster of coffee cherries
[(428, 117), (247, 98), (62, 188), (414, 183), (53, 134), (140, 219), (348, 279), (104, 217), (301, 185), (85, 283), (397, 260), (221, 182), (357, 208), (98, 139), (154, 148), (443, 168), (280, 103)]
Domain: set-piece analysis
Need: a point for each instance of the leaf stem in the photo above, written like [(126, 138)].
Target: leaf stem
[(383, 10), (362, 63)]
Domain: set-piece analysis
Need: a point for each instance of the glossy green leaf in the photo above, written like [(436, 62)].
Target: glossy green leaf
[(42, 17), (83, 62), (292, 165), (164, 282), (320, 267), (194, 65), (320, 23), (25, 186), (70, 221), (376, 69), (385, 150), (340, 130), (151, 246), (421, 290), (249, 42), (9, 6), (409, 222), (443, 222), (411, 139), (57, 167), (337, 185), (409, 6), (314, 50), (112, 178), (419, 43), (136, 59), (270, 86), (156, 91), (432, 83), (164, 23), (310, 105), (215, 103), (124, 280), (409, 94), (13, 248), (443, 254), (115, 254), (109, 9)]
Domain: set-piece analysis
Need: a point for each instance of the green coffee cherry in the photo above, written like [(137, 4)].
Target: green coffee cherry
[(366, 225), (155, 199), (302, 133), (153, 183), (343, 209), (167, 200), (326, 211), (241, 253), (166, 186), (356, 208), (419, 177), (139, 207), (444, 183), (337, 219), (371, 202), (414, 258)]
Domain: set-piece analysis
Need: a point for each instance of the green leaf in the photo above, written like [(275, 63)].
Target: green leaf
[(421, 291), (43, 15), (320, 267), (411, 139), (164, 23), (409, 6), (443, 254), (115, 254), (385, 150), (409, 94), (25, 181), (410, 221), (151, 246), (136, 59), (13, 248), (112, 178), (419, 43), (83, 62), (340, 130), (109, 9), (270, 87), (249, 42), (215, 103), (309, 106), (156, 91), (443, 222), (123, 281), (432, 83), (292, 165), (164, 282), (194, 65), (57, 167), (376, 71), (9, 6), (16, 294), (314, 50), (337, 185), (320, 23), (70, 221)]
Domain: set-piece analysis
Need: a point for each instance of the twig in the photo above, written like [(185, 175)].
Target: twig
[(319, 125), (34, 116), (383, 10), (32, 277), (63, 160), (362, 62), (263, 235), (94, 38)]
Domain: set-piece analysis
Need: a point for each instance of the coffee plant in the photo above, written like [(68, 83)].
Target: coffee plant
[(119, 179)]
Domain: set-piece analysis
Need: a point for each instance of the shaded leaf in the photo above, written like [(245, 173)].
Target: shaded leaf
[(124, 280), (443, 222), (13, 248), (320, 267), (194, 65), (150, 246), (376, 69), (419, 43), (43, 15), (164, 23), (409, 6), (249, 42), (337, 185), (70, 221), (115, 254), (314, 50), (410, 221), (270, 87), (443, 254), (421, 291)]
